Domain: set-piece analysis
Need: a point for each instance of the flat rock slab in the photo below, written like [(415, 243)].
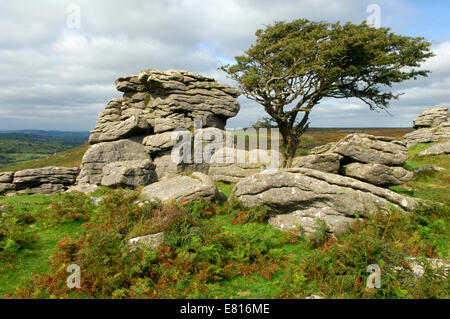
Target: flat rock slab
[(51, 174), (370, 149), (378, 174), (182, 188), (302, 196), (437, 149)]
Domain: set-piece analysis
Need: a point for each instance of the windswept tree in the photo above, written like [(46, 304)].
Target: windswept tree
[(294, 65)]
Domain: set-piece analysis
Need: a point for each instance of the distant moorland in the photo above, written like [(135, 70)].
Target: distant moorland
[(22, 146)]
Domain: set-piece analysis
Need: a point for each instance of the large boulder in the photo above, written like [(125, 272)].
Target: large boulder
[(302, 195), (437, 149), (325, 162), (378, 174), (370, 149), (182, 188), (431, 126), (432, 117), (129, 173), (428, 135), (156, 102), (99, 155)]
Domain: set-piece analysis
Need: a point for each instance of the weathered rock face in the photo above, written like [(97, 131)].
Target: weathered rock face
[(303, 195), (182, 188), (45, 180), (437, 149), (378, 174), (156, 101), (371, 149), (4, 187), (129, 173), (139, 127), (432, 117), (428, 135), (99, 155), (373, 159), (431, 126), (6, 177), (325, 162), (47, 175)]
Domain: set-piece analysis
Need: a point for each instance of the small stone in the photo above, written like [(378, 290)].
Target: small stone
[(151, 242)]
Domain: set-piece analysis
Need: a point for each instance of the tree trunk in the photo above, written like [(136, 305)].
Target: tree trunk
[(290, 142)]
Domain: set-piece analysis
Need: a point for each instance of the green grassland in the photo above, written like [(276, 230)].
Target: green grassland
[(218, 250), (69, 158), (20, 147)]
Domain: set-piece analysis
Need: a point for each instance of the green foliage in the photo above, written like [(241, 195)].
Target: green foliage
[(13, 236), (71, 207), (214, 249), (293, 65)]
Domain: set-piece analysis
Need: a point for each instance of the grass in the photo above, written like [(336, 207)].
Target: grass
[(34, 259), (70, 158), (221, 250), (430, 185)]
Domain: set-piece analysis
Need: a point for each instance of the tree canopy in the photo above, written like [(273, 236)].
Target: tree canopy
[(293, 65)]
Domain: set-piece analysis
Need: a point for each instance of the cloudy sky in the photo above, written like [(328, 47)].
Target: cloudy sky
[(55, 75)]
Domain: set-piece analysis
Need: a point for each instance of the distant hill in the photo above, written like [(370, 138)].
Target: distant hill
[(26, 145)]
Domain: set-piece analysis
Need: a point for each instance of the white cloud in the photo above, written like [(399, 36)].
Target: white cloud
[(53, 77)]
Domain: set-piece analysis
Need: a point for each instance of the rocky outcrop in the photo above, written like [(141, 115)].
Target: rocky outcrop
[(437, 149), (432, 117), (431, 126), (182, 188), (133, 139), (378, 160), (301, 196), (45, 180), (156, 101)]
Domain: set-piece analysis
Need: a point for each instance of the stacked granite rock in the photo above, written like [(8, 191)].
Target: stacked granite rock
[(377, 160), (47, 180), (431, 126), (133, 139)]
